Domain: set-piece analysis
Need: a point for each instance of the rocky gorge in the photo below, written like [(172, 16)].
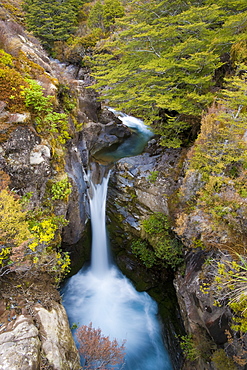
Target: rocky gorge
[(34, 330)]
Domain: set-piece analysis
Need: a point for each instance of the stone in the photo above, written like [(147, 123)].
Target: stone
[(18, 117), (56, 339), (20, 346), (39, 153)]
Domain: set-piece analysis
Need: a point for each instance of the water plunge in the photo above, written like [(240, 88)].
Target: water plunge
[(102, 295)]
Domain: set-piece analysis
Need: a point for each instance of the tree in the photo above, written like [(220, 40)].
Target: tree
[(103, 15), (160, 64), (51, 20), (95, 17), (98, 350)]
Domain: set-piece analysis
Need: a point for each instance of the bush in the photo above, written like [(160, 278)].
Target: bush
[(222, 361), (140, 249), (188, 347), (231, 289), (46, 119), (98, 350), (167, 249), (61, 189)]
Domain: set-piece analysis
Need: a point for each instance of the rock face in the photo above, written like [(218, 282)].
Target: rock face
[(26, 344), (20, 345), (26, 161), (138, 187), (142, 185), (56, 340)]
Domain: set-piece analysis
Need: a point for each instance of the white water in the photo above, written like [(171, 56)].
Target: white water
[(132, 122), (103, 296), (100, 259), (131, 146)]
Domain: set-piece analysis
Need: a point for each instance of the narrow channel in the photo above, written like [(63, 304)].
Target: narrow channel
[(100, 294)]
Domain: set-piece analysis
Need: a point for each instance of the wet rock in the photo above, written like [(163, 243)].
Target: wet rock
[(98, 136), (133, 192), (198, 309)]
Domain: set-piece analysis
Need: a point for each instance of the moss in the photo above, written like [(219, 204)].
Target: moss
[(26, 65), (11, 85), (13, 7), (222, 361)]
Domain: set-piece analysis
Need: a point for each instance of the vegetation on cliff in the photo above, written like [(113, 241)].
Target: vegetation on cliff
[(165, 250), (30, 236)]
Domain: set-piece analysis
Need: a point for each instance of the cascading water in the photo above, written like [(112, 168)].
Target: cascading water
[(132, 146), (100, 294), (100, 258)]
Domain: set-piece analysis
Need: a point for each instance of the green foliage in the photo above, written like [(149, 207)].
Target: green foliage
[(141, 250), (60, 190), (47, 120), (188, 347), (95, 18), (61, 265), (11, 83), (166, 248), (43, 232), (4, 257), (66, 98), (35, 99), (103, 14), (161, 62), (30, 238), (14, 227), (5, 58), (155, 224), (219, 156), (222, 361), (153, 176), (22, 235), (57, 123), (230, 288), (51, 20)]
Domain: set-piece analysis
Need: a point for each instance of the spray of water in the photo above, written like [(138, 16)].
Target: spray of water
[(103, 296)]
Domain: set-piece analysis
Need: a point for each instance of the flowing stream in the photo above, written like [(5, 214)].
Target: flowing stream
[(102, 295), (131, 146)]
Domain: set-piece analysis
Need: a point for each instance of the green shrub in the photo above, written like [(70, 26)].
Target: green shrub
[(35, 99), (156, 224), (222, 361), (46, 119), (167, 249), (188, 347), (141, 249), (153, 176), (60, 190)]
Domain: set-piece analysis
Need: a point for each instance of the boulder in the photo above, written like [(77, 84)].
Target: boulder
[(20, 345), (56, 340)]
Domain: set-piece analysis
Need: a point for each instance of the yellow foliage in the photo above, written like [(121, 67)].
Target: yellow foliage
[(13, 223), (43, 233)]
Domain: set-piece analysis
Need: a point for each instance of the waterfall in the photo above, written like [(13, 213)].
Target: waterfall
[(97, 201), (102, 295)]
